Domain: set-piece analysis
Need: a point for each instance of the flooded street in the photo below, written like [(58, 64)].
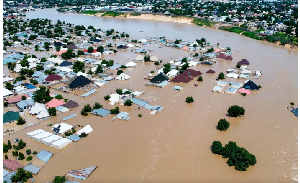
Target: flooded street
[(174, 144)]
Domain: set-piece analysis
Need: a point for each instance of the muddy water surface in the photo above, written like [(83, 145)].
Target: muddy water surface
[(174, 145)]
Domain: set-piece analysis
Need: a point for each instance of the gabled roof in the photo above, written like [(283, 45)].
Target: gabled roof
[(12, 164), (10, 116), (16, 99), (191, 73), (82, 174), (53, 77), (210, 71), (55, 103), (159, 78), (71, 46), (181, 79), (79, 81), (244, 62), (70, 104)]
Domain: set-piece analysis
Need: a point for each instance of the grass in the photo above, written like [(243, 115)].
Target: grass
[(111, 14), (202, 22), (89, 12)]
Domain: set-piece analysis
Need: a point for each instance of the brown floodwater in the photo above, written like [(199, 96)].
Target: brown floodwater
[(174, 144)]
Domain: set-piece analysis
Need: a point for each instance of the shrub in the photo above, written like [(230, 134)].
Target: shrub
[(28, 151), (29, 158), (34, 152), (128, 103), (119, 72), (238, 66), (115, 111), (200, 78), (123, 67), (87, 108), (189, 99), (15, 153), (21, 156), (223, 125), (106, 97), (238, 156), (146, 58), (201, 59), (156, 63), (73, 130), (221, 76), (140, 115), (235, 111), (292, 103), (5, 104), (151, 72), (21, 121), (244, 94), (83, 113), (68, 133)]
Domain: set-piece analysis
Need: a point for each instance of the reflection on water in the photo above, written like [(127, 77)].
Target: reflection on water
[(174, 145)]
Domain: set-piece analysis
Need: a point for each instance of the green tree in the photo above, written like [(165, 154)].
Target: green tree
[(9, 144), (24, 62), (146, 58), (167, 68), (39, 67), (42, 95), (68, 54), (78, 66), (87, 108), (5, 104), (119, 72), (21, 121), (23, 97), (80, 52), (6, 157), (29, 158), (238, 66), (115, 111), (97, 105), (221, 76), (140, 115), (90, 49), (59, 97), (223, 125), (189, 99), (59, 179), (9, 86), (119, 91), (99, 69), (21, 156), (52, 111), (106, 97), (128, 103), (28, 151), (200, 78), (83, 134), (100, 49), (21, 175), (235, 111)]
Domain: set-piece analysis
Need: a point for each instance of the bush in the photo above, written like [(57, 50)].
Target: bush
[(201, 59), (151, 72), (59, 179), (73, 130), (21, 121), (156, 63), (119, 72), (123, 67), (200, 78), (115, 111), (28, 151), (34, 152), (146, 58), (235, 111), (68, 133), (223, 125), (128, 103), (292, 103), (21, 156), (29, 158), (21, 144), (87, 108), (5, 148), (238, 156), (106, 97), (221, 76), (15, 153), (244, 94), (140, 115), (238, 66), (189, 99), (259, 86), (83, 113), (5, 104)]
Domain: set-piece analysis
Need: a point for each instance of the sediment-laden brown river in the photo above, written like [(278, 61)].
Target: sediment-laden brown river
[(174, 144)]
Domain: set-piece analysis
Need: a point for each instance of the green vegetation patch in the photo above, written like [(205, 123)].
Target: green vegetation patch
[(112, 14), (89, 12), (202, 22)]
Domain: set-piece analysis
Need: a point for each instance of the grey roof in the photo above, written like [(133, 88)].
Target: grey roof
[(162, 84), (101, 112), (31, 168), (7, 178), (6, 60), (5, 172), (139, 102), (44, 155), (108, 78), (24, 103), (68, 181), (74, 137)]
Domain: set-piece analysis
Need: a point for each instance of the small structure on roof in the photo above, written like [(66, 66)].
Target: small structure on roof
[(10, 116), (82, 174)]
